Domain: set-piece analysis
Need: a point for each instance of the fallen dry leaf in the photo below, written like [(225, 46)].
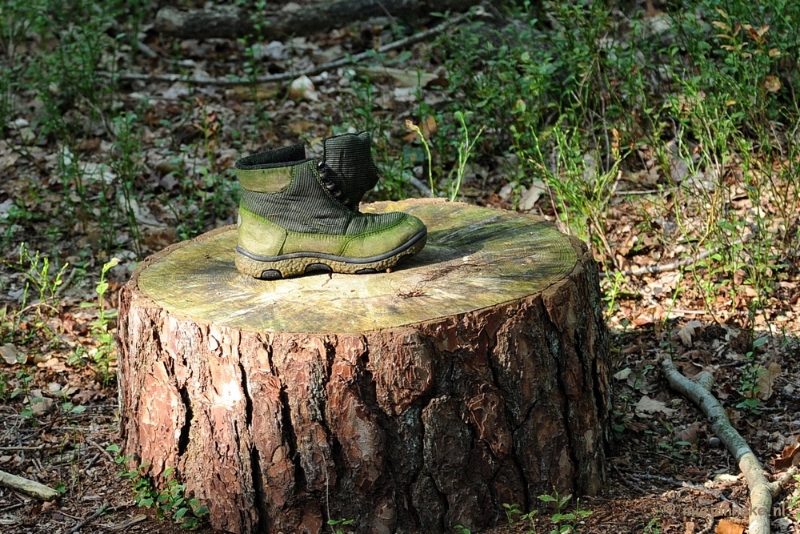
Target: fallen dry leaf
[(688, 434), (789, 456), (303, 88), (766, 380), (622, 375), (726, 526), (528, 196), (772, 83), (39, 404), (646, 405), (649, 316), (688, 332), (9, 353)]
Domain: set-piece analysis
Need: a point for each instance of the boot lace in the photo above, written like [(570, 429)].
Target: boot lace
[(333, 183)]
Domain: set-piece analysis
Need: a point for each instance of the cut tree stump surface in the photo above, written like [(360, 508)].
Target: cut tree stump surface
[(473, 375), (475, 258)]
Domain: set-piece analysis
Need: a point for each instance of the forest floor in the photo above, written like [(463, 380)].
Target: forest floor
[(58, 401)]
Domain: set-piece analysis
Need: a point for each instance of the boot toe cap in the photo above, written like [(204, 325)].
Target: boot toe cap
[(386, 241)]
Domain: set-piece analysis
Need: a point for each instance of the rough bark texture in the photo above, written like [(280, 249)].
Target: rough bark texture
[(232, 22), (405, 425)]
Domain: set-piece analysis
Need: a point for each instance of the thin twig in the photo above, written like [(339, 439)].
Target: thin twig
[(12, 507), (386, 11), (91, 461), (777, 485), (424, 189), (684, 484), (672, 266), (101, 449), (630, 483), (645, 191), (708, 528), (285, 76), (100, 511), (146, 50)]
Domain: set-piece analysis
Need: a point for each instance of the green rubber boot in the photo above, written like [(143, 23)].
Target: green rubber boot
[(296, 217)]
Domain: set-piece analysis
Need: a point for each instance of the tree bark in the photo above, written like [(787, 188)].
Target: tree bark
[(474, 375), (231, 22)]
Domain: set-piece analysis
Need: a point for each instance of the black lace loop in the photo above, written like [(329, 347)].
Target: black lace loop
[(333, 186)]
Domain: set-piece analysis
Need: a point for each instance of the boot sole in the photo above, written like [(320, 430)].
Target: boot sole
[(299, 263)]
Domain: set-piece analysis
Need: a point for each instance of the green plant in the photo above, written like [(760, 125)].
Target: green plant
[(337, 524), (429, 161), (102, 353), (168, 502), (653, 526), (126, 166), (513, 510), (460, 529), (38, 300), (24, 378), (465, 147), (749, 382), (564, 521), (681, 450), (4, 386), (580, 184), (66, 46), (794, 501), (611, 290), (22, 381), (39, 278)]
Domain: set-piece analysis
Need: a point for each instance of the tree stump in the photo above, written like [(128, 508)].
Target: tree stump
[(475, 374)]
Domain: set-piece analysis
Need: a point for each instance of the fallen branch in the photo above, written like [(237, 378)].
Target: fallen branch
[(761, 490), (27, 486), (290, 75), (230, 22)]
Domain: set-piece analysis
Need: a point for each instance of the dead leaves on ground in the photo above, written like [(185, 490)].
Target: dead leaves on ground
[(789, 456)]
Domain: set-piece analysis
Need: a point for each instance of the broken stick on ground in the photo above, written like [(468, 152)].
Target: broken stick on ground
[(27, 486), (761, 490), (230, 22), (286, 76)]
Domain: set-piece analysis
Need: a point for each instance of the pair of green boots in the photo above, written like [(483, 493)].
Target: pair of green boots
[(298, 216)]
